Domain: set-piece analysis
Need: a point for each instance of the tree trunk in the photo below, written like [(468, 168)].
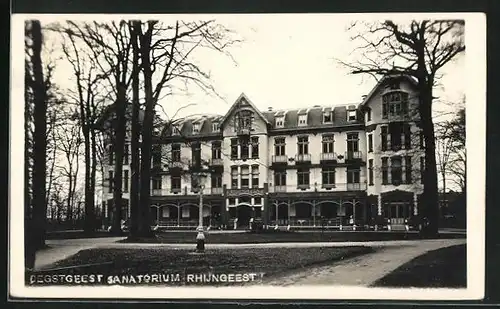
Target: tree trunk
[(39, 139), (93, 171), (135, 214), (89, 224), (430, 194), (147, 138), (119, 143)]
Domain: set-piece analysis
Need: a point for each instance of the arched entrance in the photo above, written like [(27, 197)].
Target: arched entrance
[(243, 213), (283, 214)]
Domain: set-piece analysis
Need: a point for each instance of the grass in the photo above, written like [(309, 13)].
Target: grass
[(445, 267), (282, 236), (267, 261)]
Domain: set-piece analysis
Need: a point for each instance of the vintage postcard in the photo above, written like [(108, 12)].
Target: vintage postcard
[(248, 156)]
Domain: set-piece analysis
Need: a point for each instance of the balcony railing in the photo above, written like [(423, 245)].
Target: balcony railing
[(319, 187), (217, 162), (217, 190), (328, 156), (306, 157), (279, 159), (353, 155)]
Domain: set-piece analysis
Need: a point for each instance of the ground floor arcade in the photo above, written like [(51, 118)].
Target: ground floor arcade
[(298, 211)]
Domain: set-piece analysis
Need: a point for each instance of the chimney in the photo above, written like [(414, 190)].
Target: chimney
[(364, 97), (270, 108)]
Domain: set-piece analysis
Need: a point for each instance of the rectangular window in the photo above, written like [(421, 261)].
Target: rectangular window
[(280, 178), (328, 176), (126, 154), (255, 147), (352, 142), (255, 176), (351, 115), (370, 172), (385, 171), (408, 170), (422, 139), (383, 138), (396, 131), (396, 170), (111, 155), (156, 183), (125, 181), (303, 177), (156, 153), (244, 149), (245, 175), (370, 143), (196, 128), (215, 126), (234, 148), (353, 175), (216, 180), (279, 122), (176, 152), (422, 169), (110, 181), (407, 133), (195, 183), (327, 143), (302, 120), (384, 108), (196, 155), (234, 177), (369, 115), (327, 117), (175, 182), (216, 150), (303, 145), (279, 146)]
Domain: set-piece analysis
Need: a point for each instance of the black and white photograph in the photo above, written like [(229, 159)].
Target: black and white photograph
[(252, 156)]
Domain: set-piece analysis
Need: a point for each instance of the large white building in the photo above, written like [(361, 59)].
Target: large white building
[(318, 165)]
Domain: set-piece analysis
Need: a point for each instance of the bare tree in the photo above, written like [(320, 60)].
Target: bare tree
[(37, 84), (419, 49)]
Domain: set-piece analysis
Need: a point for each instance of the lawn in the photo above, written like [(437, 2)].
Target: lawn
[(282, 236), (442, 268), (117, 265)]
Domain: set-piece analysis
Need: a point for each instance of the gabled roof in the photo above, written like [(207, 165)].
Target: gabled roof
[(237, 105), (381, 82)]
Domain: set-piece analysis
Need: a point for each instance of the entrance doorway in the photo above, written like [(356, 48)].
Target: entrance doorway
[(243, 213), (397, 212)]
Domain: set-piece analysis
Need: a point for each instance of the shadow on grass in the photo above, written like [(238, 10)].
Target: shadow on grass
[(442, 268), (134, 262)]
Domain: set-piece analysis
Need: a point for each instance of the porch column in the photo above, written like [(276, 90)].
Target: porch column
[(288, 212), (276, 217), (415, 204), (179, 210), (265, 211), (379, 205), (354, 209), (314, 212)]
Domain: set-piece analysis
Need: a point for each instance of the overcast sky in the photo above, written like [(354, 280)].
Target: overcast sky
[(285, 61)]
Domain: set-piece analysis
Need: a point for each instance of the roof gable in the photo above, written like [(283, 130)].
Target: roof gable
[(243, 101), (381, 82)]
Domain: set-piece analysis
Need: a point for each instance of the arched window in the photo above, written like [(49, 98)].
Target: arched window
[(394, 104)]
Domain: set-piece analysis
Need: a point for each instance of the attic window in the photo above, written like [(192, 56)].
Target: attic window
[(280, 121), (303, 120), (196, 128), (392, 84), (215, 126), (351, 115), (327, 117), (175, 130)]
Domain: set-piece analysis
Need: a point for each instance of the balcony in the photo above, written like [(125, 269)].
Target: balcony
[(217, 162), (302, 158), (319, 187), (328, 157), (283, 159), (217, 190), (353, 155)]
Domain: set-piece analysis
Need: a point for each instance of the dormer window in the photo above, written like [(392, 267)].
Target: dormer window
[(351, 115), (302, 120), (215, 126), (327, 117), (280, 122), (196, 128), (175, 130)]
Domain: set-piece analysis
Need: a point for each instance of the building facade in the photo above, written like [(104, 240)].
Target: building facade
[(315, 166)]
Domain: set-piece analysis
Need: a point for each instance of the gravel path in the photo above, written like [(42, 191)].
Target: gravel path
[(366, 269)]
